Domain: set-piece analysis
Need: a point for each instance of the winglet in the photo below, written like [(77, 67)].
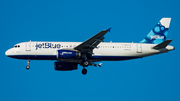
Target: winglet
[(109, 29)]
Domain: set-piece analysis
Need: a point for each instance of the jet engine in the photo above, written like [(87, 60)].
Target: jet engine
[(65, 66), (68, 54)]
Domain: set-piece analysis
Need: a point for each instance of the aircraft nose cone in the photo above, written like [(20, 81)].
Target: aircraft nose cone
[(7, 53)]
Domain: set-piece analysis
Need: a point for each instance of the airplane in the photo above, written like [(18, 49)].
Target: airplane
[(68, 55)]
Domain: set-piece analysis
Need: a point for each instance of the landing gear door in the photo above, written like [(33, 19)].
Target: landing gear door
[(28, 46), (139, 48)]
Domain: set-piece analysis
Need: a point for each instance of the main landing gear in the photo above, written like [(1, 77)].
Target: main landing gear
[(84, 71), (28, 62), (84, 64)]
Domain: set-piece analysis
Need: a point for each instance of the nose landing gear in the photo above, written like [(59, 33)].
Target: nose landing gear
[(28, 63)]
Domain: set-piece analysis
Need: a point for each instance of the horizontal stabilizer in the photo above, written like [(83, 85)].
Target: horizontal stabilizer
[(162, 45)]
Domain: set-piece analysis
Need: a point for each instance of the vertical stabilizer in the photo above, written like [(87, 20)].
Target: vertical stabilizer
[(159, 33)]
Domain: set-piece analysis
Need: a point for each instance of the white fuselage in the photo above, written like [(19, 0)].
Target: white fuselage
[(104, 51)]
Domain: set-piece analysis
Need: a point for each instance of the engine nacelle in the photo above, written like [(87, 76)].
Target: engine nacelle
[(68, 54), (65, 66)]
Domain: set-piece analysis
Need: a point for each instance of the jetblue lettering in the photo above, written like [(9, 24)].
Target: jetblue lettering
[(157, 37), (47, 45)]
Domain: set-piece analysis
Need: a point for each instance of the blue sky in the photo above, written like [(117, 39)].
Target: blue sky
[(154, 78)]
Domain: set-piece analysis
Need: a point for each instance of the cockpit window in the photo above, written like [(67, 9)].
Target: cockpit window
[(16, 46)]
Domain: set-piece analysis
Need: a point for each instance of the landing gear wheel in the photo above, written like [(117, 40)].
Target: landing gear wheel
[(84, 71), (86, 63), (27, 67)]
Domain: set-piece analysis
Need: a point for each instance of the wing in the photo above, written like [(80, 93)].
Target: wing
[(91, 43)]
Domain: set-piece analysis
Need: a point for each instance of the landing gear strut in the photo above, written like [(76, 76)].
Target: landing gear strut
[(28, 62)]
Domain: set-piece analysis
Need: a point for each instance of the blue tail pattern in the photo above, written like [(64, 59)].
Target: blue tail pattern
[(159, 33)]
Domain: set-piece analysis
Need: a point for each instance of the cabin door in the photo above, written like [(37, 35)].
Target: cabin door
[(28, 46), (139, 48)]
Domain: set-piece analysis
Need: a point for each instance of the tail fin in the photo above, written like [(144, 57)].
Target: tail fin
[(159, 33)]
